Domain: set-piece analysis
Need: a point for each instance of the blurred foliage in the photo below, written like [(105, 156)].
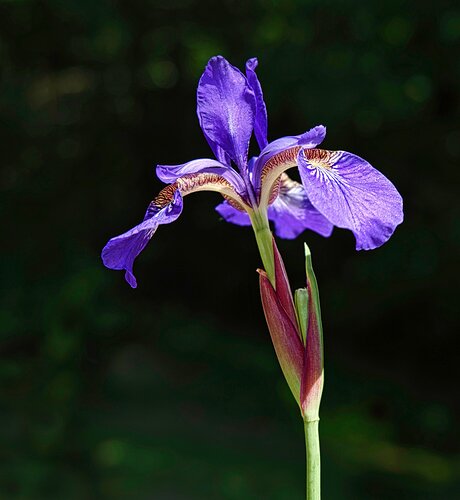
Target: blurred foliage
[(172, 391)]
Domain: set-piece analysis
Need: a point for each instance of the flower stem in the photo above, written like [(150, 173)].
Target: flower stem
[(313, 461), (264, 239)]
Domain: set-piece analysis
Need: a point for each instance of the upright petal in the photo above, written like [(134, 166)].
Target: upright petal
[(292, 212), (219, 153), (226, 108), (351, 194), (260, 124), (121, 251)]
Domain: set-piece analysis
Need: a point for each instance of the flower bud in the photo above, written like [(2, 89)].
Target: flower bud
[(296, 332)]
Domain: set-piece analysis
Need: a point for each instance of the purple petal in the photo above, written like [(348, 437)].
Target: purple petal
[(292, 212), (309, 139), (226, 108), (170, 173), (312, 137), (219, 153), (260, 125), (233, 215), (121, 251), (351, 194)]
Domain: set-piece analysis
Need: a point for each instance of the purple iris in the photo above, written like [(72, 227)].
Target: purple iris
[(338, 188)]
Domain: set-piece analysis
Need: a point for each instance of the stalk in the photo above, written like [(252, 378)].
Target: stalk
[(313, 460), (310, 331), (264, 239)]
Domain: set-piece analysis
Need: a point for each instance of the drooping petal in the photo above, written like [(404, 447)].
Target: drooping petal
[(170, 173), (121, 251), (233, 215), (281, 154), (260, 124), (351, 194), (292, 212), (226, 108)]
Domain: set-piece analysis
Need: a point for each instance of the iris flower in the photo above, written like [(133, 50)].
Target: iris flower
[(338, 188)]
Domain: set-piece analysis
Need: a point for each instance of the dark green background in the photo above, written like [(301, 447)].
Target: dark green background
[(172, 391)]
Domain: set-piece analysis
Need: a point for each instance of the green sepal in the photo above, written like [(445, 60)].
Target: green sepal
[(312, 285), (313, 370), (301, 308)]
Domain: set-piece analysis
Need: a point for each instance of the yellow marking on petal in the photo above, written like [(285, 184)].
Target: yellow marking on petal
[(321, 158)]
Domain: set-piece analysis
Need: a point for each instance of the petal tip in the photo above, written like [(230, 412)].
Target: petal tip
[(313, 137), (130, 279), (226, 108), (252, 63)]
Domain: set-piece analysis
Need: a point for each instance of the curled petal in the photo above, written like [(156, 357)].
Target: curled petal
[(121, 251), (313, 137), (309, 139), (226, 108), (281, 155), (233, 215), (260, 124), (170, 173), (352, 194), (271, 171), (292, 212)]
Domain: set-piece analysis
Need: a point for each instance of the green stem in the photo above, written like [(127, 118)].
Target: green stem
[(313, 460), (264, 240)]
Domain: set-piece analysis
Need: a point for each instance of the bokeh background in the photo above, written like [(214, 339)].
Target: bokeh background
[(173, 391)]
